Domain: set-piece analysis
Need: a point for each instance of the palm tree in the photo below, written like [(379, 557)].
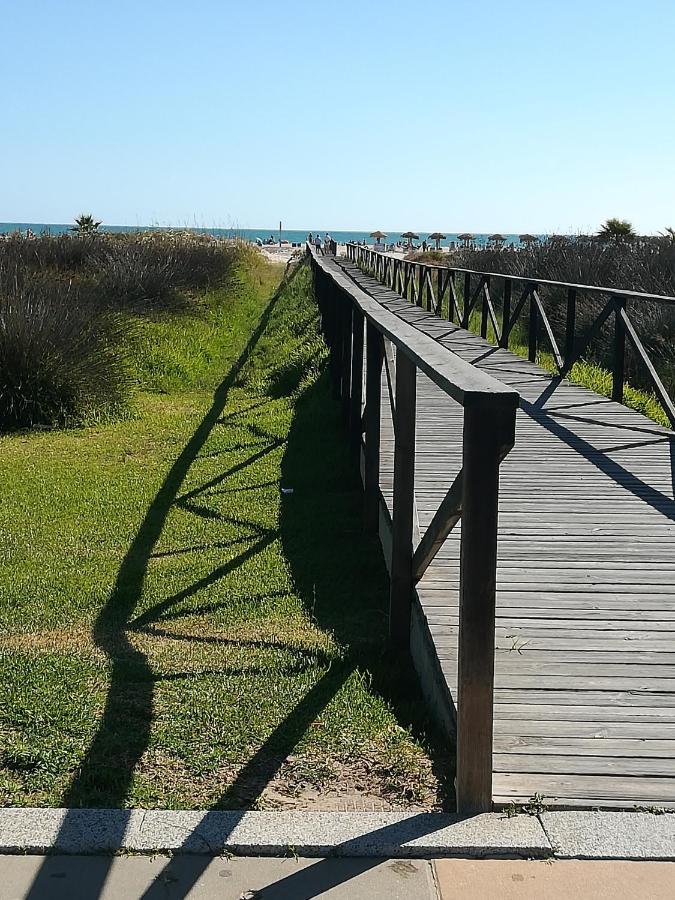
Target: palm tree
[(85, 224), (617, 230), (668, 233)]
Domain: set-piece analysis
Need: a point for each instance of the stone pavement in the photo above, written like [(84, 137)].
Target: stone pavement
[(207, 878), (552, 879), (251, 878)]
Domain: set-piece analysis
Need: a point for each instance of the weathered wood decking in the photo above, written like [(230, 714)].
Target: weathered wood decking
[(585, 661)]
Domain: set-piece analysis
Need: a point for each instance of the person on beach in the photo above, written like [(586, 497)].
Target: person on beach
[(317, 243), (310, 239)]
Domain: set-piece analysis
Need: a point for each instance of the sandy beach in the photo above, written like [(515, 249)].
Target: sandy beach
[(281, 254)]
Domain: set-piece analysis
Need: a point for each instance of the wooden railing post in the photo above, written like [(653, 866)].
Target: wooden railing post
[(356, 399), (346, 354), (506, 315), (374, 360), (400, 600), (334, 303), (489, 431), (618, 369), (570, 326), (533, 327), (467, 301)]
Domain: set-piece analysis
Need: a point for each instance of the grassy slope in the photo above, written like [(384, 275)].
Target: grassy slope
[(178, 631)]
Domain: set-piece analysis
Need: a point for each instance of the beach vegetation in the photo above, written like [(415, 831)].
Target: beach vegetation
[(71, 310), (85, 224), (191, 615), (617, 230)]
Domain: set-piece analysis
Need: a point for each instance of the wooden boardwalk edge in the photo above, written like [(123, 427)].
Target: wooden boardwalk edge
[(585, 659)]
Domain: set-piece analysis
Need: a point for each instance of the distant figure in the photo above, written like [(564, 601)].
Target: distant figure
[(327, 244), (424, 246), (310, 239), (317, 243)]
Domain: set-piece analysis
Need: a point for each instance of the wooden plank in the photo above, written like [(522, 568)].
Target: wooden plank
[(569, 764), (586, 787), (632, 748)]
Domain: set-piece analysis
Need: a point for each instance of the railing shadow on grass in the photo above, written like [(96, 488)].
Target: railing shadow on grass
[(131, 685), (339, 573), (317, 569)]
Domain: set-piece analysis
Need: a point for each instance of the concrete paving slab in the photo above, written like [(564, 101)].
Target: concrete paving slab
[(611, 835), (66, 831), (341, 834), (496, 879), (305, 833), (205, 878)]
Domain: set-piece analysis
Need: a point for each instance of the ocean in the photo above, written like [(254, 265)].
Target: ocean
[(252, 234)]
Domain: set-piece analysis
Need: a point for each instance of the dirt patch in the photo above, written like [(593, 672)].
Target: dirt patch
[(300, 782)]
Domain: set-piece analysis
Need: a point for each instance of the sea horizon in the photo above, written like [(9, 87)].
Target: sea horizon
[(252, 234)]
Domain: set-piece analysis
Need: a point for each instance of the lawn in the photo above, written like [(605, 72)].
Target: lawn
[(191, 614)]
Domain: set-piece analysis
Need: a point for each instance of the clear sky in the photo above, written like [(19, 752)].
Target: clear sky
[(458, 114)]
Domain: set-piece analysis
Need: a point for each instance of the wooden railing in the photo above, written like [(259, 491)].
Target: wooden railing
[(352, 320), (456, 293)]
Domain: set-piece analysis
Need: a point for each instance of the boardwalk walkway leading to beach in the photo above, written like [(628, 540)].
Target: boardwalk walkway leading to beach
[(584, 711)]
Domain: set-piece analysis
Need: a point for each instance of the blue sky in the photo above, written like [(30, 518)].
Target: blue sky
[(458, 115)]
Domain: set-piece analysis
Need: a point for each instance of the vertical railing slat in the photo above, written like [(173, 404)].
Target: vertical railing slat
[(401, 585)]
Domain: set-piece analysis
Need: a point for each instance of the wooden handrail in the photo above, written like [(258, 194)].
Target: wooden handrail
[(400, 275), (488, 435), (587, 288)]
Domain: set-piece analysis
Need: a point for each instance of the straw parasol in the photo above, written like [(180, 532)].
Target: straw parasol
[(378, 235), (528, 238), (497, 238), (438, 237), (466, 237), (410, 236)]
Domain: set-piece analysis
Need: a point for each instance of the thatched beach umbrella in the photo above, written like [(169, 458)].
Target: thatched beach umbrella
[(497, 238), (528, 238), (378, 235), (438, 237), (410, 236), (466, 238)]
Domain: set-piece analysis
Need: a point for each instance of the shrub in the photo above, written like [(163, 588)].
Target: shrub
[(60, 364), (128, 276), (645, 264), (65, 322), (62, 252)]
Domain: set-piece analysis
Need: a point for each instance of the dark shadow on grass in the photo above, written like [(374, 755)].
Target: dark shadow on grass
[(339, 573), (130, 693), (337, 570)]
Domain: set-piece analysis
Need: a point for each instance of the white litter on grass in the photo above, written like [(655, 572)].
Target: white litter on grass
[(286, 490)]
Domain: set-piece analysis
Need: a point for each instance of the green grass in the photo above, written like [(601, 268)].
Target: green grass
[(177, 630)]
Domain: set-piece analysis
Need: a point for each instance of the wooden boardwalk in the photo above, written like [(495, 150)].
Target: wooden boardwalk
[(585, 660)]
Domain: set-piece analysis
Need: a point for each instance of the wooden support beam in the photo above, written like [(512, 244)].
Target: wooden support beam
[(400, 598), (664, 398), (488, 432), (356, 399), (619, 361), (532, 330), (374, 358), (346, 354), (570, 327), (445, 518), (549, 331)]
